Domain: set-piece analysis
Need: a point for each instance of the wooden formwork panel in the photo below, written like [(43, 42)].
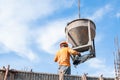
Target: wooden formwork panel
[(92, 78), (35, 76), (70, 77), (109, 79), (2, 75), (21, 75)]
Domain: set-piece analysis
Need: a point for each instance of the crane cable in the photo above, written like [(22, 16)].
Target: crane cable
[(79, 8)]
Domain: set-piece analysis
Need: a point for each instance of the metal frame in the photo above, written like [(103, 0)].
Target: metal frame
[(90, 44)]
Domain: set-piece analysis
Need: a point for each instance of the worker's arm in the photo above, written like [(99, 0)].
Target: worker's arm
[(56, 57), (73, 52)]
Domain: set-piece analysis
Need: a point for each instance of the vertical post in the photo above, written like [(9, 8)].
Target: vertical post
[(84, 77), (11, 76), (89, 34), (1, 77), (6, 73), (116, 78), (61, 75), (101, 77)]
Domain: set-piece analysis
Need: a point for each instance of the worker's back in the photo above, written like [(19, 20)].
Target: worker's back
[(63, 56)]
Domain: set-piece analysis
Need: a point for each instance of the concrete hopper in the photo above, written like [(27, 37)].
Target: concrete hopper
[(80, 34)]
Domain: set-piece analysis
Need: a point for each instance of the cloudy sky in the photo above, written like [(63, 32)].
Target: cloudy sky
[(30, 32)]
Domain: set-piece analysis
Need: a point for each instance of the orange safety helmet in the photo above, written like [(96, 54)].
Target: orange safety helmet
[(63, 42)]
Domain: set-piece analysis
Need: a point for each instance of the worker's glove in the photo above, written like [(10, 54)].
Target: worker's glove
[(77, 59), (79, 54), (76, 62)]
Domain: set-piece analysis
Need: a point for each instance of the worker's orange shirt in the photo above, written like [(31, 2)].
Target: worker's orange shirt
[(63, 56)]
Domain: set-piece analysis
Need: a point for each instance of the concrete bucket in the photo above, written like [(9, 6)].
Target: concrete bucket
[(80, 34)]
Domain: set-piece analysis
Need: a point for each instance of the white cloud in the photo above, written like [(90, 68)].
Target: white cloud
[(100, 67), (99, 37), (50, 34), (106, 72), (118, 15), (65, 3), (15, 37), (101, 12), (3, 49), (96, 63), (25, 10), (15, 34)]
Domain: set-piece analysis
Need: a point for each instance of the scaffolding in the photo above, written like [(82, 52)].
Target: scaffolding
[(117, 59)]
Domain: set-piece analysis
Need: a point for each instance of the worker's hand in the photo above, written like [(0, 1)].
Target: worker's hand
[(79, 54)]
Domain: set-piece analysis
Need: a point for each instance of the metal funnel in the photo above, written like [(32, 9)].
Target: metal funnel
[(80, 32)]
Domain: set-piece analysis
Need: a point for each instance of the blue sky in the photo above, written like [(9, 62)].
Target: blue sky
[(30, 32)]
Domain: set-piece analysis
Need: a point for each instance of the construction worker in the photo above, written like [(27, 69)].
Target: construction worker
[(63, 58)]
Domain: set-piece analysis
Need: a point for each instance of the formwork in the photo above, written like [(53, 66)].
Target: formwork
[(24, 75)]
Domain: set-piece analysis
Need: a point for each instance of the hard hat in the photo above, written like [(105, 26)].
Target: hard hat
[(63, 42)]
